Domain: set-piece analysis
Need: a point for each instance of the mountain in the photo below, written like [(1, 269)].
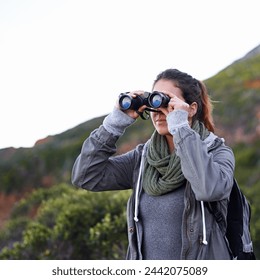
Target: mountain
[(235, 92), (254, 52)]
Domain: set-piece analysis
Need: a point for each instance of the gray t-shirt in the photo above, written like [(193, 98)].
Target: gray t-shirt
[(161, 218)]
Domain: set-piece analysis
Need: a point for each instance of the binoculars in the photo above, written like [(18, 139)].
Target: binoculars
[(152, 100)]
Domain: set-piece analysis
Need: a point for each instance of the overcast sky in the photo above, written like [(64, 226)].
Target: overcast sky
[(65, 62)]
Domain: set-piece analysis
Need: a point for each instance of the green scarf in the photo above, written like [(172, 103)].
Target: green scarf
[(162, 170)]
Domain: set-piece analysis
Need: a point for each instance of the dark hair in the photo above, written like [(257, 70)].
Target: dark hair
[(193, 91)]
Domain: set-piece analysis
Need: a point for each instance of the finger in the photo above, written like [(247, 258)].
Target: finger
[(136, 93), (142, 108)]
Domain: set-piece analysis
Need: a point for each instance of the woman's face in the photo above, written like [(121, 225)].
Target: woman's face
[(159, 118)]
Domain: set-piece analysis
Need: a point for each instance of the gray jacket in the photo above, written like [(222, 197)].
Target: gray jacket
[(207, 165)]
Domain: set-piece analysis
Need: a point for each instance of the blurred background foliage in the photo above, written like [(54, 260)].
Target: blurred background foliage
[(66, 223)]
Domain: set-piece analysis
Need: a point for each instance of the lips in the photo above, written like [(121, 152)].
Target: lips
[(160, 121)]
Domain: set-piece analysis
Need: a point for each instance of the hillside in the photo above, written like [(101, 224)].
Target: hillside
[(236, 94)]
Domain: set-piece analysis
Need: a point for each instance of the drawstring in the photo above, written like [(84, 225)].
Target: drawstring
[(138, 186), (204, 239)]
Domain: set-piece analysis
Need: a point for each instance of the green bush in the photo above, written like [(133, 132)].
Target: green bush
[(68, 223)]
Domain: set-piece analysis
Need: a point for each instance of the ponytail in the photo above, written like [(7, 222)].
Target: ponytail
[(206, 114)]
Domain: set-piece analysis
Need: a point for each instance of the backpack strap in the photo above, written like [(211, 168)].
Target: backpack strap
[(236, 224), (219, 217)]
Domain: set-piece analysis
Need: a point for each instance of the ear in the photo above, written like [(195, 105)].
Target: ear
[(193, 109)]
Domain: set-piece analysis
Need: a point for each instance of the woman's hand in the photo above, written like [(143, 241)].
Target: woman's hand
[(176, 103), (132, 113)]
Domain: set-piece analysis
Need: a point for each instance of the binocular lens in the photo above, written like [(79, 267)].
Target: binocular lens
[(125, 102), (156, 101)]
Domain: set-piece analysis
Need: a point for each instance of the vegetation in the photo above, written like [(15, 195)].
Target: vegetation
[(248, 175), (236, 95), (66, 223)]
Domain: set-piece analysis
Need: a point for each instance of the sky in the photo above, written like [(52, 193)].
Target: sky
[(63, 62)]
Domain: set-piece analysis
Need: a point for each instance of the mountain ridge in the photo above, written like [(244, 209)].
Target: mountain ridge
[(255, 51), (7, 151)]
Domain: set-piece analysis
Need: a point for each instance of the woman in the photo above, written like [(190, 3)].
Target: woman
[(183, 166)]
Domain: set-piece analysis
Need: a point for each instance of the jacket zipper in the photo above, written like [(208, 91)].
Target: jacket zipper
[(186, 220)]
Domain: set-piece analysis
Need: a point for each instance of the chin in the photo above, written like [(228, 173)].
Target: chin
[(162, 130)]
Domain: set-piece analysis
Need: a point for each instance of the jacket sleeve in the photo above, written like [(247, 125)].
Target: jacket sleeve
[(209, 173), (96, 168)]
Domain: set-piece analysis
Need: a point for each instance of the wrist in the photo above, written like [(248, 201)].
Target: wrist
[(117, 121), (177, 119)]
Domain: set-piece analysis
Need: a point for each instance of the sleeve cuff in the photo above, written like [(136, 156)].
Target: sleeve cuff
[(177, 119), (117, 121)]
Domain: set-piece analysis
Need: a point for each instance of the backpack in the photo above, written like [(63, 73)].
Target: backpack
[(238, 224)]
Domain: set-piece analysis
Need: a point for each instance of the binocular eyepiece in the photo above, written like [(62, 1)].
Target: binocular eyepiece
[(153, 100)]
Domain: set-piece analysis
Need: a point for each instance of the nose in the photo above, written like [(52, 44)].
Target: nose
[(158, 111)]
